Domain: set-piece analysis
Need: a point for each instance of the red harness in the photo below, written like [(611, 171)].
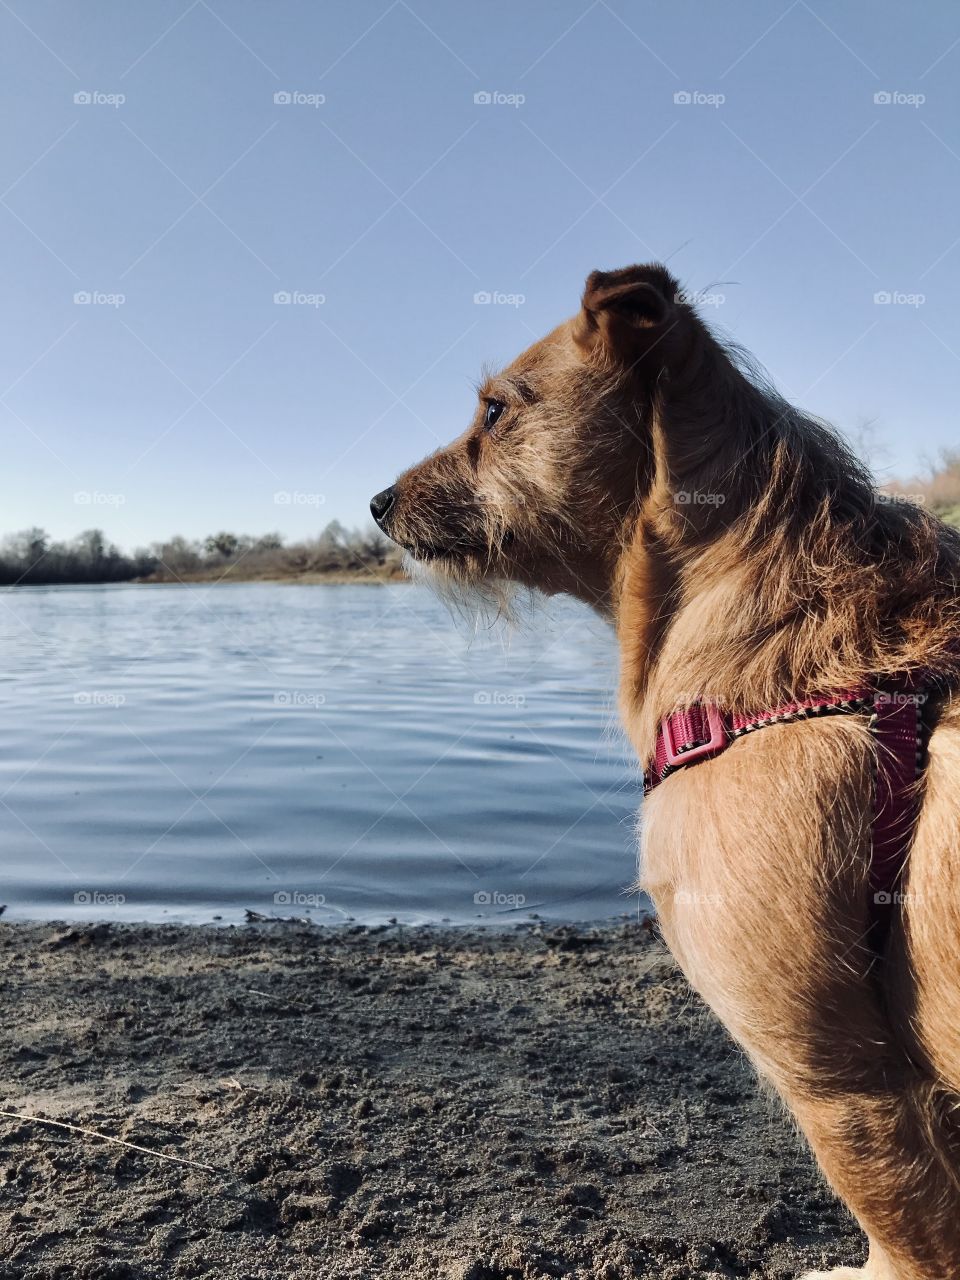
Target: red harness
[(896, 721)]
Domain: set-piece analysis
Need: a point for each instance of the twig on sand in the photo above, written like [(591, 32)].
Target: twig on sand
[(234, 1083), (268, 995), (106, 1137)]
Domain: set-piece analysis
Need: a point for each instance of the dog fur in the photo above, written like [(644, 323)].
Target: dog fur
[(744, 557)]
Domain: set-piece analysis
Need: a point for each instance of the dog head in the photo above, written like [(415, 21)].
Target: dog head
[(543, 485)]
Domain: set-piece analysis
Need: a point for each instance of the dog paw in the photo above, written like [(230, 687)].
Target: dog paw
[(839, 1273)]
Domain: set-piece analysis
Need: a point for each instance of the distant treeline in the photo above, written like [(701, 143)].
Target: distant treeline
[(938, 489), (31, 558)]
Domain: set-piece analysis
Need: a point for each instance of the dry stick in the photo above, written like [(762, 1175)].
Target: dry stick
[(105, 1137), (268, 995)]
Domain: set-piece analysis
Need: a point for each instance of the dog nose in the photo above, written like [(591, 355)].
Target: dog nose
[(381, 503)]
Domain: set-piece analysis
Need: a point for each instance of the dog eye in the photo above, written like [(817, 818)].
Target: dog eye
[(494, 412)]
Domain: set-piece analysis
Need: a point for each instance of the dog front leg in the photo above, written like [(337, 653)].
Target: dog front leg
[(875, 1153), (869, 1272), (871, 1118), (767, 917)]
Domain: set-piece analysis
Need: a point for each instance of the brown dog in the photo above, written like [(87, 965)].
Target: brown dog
[(744, 558)]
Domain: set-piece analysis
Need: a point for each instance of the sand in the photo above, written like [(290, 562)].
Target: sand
[(461, 1104)]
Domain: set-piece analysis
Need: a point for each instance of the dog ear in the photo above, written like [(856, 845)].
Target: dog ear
[(628, 312)]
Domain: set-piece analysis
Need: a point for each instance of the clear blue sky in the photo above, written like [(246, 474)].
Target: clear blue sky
[(198, 400)]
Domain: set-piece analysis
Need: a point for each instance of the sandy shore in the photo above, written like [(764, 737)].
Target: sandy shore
[(548, 1102)]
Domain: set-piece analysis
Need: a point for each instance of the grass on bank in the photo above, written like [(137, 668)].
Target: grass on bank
[(337, 554)]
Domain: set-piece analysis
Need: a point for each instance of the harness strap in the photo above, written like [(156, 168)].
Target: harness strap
[(900, 733), (703, 731)]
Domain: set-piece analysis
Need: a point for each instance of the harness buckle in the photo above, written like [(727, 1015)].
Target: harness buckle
[(685, 754)]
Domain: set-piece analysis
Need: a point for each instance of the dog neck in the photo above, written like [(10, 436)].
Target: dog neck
[(781, 574)]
